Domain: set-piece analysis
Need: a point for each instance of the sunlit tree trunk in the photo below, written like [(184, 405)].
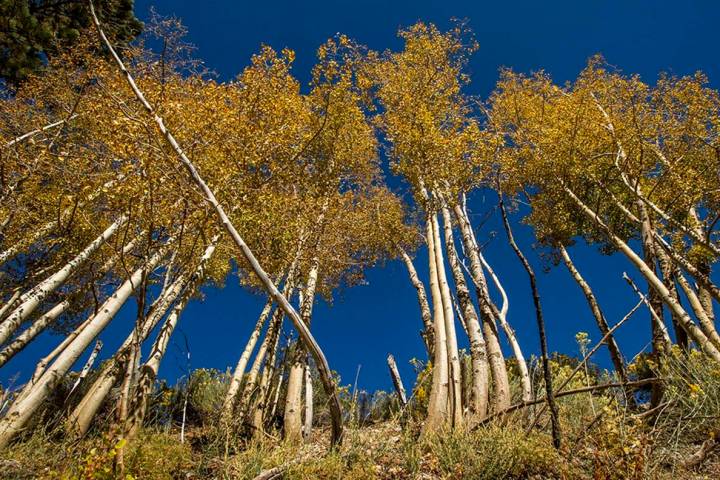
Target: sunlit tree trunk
[(30, 300), (32, 331), (308, 420), (480, 368), (239, 372), (455, 375), (687, 323), (21, 411), (397, 381), (500, 399), (48, 318), (292, 419), (224, 220), (615, 354), (437, 417), (150, 368), (79, 420), (501, 315)]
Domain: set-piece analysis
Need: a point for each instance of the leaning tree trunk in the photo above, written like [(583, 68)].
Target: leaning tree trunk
[(21, 411), (501, 315), (239, 372), (686, 321), (32, 331), (480, 368), (500, 399), (79, 420), (30, 300), (397, 381), (668, 278), (149, 370), (437, 417), (224, 220), (47, 319), (615, 354)]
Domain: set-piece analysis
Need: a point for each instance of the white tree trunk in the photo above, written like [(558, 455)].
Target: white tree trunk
[(437, 417), (30, 300), (425, 313), (308, 420), (292, 420), (693, 331), (78, 421), (32, 331), (21, 411), (501, 385), (239, 372)]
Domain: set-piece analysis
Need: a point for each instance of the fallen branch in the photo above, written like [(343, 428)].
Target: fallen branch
[(591, 388)]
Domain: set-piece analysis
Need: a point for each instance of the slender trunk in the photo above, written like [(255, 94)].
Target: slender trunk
[(478, 353), (308, 420), (450, 334), (501, 385), (48, 318), (397, 381), (426, 315), (224, 220), (150, 368), (693, 331), (264, 388), (437, 417), (706, 324), (668, 277), (547, 374), (22, 410), (239, 371), (79, 420), (12, 301), (660, 346), (615, 354), (501, 315), (30, 300), (32, 331), (87, 367), (292, 422)]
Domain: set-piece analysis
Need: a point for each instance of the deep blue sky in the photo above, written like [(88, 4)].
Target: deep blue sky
[(366, 323)]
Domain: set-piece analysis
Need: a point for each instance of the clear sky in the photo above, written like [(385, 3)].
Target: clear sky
[(367, 322)]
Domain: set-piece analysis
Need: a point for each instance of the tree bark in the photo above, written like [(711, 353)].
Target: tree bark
[(280, 299), (547, 374), (615, 354), (30, 300), (425, 313), (693, 331), (478, 353), (500, 399), (21, 411), (455, 377), (397, 381), (437, 417), (292, 420)]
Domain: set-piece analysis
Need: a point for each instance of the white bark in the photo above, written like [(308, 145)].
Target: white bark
[(21, 411), (30, 300), (79, 420), (693, 331), (397, 380), (501, 384), (280, 299), (239, 371), (32, 331), (437, 417)]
